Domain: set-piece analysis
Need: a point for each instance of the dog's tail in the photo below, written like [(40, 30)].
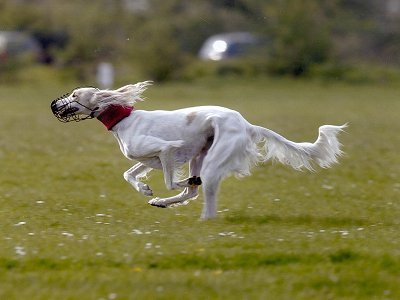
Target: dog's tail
[(324, 151)]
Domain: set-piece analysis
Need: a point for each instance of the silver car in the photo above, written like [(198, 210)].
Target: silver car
[(229, 45)]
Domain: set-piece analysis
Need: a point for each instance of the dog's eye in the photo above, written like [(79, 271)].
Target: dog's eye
[(73, 95)]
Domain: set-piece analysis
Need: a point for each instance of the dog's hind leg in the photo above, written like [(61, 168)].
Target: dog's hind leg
[(187, 194), (221, 160), (211, 174), (194, 172), (190, 192), (132, 176), (210, 190)]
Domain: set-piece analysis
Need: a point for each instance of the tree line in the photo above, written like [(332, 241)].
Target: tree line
[(159, 39)]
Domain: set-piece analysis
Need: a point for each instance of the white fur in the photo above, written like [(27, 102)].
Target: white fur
[(216, 141)]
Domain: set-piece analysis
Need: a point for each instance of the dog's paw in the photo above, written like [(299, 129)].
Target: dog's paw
[(189, 182), (145, 189), (157, 202), (193, 181)]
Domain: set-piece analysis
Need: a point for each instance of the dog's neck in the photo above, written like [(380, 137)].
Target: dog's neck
[(114, 114)]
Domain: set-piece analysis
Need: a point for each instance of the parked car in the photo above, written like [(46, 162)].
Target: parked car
[(18, 45), (230, 45)]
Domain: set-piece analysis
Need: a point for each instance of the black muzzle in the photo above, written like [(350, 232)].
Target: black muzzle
[(64, 111)]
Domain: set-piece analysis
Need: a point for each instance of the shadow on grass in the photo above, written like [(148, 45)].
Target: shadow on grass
[(189, 261), (210, 261), (240, 218)]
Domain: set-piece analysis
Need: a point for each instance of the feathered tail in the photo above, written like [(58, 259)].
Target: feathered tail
[(324, 151)]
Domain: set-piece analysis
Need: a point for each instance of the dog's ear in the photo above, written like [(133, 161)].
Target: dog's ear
[(102, 97), (134, 91), (126, 89), (104, 94), (126, 95)]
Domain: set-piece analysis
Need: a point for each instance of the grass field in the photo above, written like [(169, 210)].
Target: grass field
[(72, 228)]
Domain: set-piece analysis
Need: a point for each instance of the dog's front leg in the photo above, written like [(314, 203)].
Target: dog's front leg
[(168, 163), (132, 176), (168, 167)]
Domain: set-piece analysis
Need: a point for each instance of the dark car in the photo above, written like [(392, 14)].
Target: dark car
[(18, 45)]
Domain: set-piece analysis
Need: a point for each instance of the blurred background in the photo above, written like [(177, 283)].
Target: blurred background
[(105, 42)]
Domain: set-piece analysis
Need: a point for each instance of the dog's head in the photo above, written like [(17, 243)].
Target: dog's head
[(88, 102), (78, 105)]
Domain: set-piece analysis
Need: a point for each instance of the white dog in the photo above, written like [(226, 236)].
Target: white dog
[(216, 141)]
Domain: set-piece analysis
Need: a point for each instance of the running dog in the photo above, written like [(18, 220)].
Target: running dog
[(216, 141)]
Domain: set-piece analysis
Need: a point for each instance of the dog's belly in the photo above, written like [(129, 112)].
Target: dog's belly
[(183, 155), (152, 162)]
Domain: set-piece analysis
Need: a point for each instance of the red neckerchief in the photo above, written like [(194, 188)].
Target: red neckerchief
[(114, 114)]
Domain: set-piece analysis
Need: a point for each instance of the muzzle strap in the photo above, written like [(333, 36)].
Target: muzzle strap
[(114, 114)]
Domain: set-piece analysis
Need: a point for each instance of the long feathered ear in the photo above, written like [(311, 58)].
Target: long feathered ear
[(126, 95), (135, 90), (103, 97)]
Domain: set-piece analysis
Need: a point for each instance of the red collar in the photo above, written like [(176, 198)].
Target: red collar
[(114, 114)]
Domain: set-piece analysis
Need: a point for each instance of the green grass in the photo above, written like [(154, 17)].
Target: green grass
[(72, 228)]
